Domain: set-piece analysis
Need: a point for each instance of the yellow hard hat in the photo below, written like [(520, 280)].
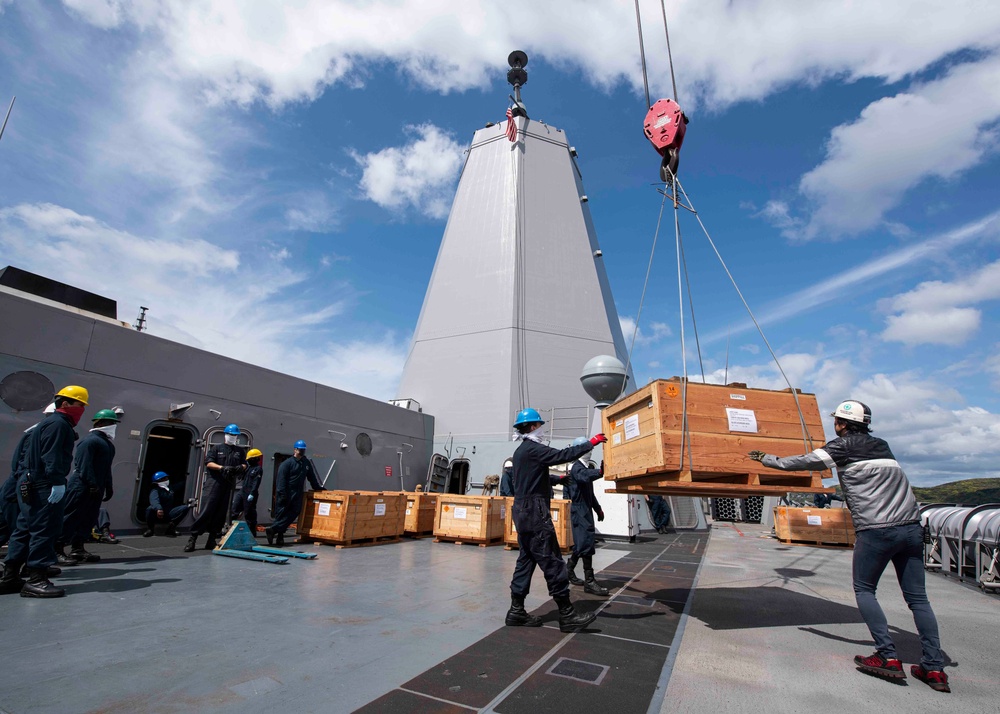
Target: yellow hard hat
[(254, 453), (73, 392)]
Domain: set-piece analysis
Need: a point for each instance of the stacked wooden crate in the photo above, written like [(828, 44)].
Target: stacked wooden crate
[(692, 440), (350, 518), (420, 510), (559, 509), (814, 526), (469, 519)]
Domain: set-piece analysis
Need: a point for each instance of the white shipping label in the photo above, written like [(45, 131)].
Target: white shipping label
[(407, 511), (379, 509), (555, 516), (323, 509), (503, 511), (616, 439), (461, 512), (814, 520), (738, 397), (742, 420), (631, 427)]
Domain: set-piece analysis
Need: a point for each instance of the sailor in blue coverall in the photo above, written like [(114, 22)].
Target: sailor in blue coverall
[(161, 506), (536, 536), (579, 489), (291, 478)]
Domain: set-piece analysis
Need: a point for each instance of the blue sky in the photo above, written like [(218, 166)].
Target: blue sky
[(273, 179)]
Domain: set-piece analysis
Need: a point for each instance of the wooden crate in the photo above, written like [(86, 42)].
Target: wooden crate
[(352, 517), (724, 422), (469, 519), (420, 510), (814, 526), (561, 520)]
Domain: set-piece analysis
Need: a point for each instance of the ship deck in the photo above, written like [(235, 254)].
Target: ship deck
[(727, 620)]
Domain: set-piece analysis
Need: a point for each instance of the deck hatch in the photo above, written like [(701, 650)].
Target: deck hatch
[(635, 600), (588, 672)]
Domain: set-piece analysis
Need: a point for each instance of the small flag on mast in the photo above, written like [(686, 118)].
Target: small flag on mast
[(511, 126)]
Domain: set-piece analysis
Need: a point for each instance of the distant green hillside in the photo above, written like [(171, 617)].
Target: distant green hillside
[(970, 492)]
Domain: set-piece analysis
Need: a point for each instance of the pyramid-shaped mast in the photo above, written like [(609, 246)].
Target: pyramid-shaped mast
[(519, 299)]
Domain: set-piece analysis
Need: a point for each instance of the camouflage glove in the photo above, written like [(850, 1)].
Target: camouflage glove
[(757, 455)]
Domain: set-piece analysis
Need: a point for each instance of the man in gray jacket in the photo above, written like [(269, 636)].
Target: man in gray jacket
[(887, 524)]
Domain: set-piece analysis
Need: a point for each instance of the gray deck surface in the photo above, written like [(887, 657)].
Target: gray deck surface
[(417, 626), (774, 628)]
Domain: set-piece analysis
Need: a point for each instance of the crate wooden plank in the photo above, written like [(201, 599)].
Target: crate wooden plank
[(814, 525), (711, 490), (559, 509), (471, 519), (646, 436), (419, 515), (351, 516)]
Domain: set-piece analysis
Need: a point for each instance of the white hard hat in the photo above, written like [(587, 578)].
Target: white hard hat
[(853, 411)]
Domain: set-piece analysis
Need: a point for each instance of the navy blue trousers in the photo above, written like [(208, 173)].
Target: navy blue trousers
[(174, 516), (903, 546), (39, 523), (80, 509), (8, 508), (536, 537), (245, 508), (288, 510), (214, 508)]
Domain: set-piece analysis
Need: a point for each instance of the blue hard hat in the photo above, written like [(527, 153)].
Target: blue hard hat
[(232, 429), (580, 440), (160, 476), (528, 416), (300, 444)]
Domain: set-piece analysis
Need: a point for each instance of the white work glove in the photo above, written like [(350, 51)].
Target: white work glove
[(57, 494), (250, 498)]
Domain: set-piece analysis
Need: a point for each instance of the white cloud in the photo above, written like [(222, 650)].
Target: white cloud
[(419, 175), (931, 312), (751, 348), (198, 294), (933, 130), (863, 277), (659, 331), (312, 212)]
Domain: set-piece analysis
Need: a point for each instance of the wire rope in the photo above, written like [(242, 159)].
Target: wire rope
[(670, 56), (642, 52), (807, 440)]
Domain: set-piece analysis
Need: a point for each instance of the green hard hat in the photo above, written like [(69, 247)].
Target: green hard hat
[(106, 415)]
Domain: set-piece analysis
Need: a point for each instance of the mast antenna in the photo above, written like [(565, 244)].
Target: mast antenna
[(517, 77), (140, 322)]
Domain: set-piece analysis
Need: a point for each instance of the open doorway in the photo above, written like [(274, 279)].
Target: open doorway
[(166, 447), (459, 480)]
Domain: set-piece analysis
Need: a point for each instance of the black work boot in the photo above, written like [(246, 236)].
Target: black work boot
[(190, 545), (81, 555), (108, 537), (570, 567), (63, 559), (210, 543), (591, 585), (11, 581), (148, 533), (517, 616), (38, 585), (171, 531), (569, 619), (270, 535), (52, 571), (279, 540)]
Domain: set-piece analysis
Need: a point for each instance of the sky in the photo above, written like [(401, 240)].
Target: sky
[(272, 180)]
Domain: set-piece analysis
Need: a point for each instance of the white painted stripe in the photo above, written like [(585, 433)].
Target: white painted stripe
[(613, 637), (438, 699), (826, 458)]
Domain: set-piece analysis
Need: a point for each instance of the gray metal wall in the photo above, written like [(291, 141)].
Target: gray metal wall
[(146, 374)]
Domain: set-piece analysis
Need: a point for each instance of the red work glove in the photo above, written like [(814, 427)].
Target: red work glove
[(598, 439)]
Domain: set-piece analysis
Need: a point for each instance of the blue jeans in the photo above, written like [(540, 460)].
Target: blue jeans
[(903, 546)]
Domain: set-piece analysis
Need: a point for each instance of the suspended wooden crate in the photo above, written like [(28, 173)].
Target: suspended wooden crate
[(814, 526), (469, 519), (420, 510), (650, 451), (346, 518), (559, 509)]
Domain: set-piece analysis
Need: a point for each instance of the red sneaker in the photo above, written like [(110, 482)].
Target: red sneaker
[(933, 678), (879, 666)]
